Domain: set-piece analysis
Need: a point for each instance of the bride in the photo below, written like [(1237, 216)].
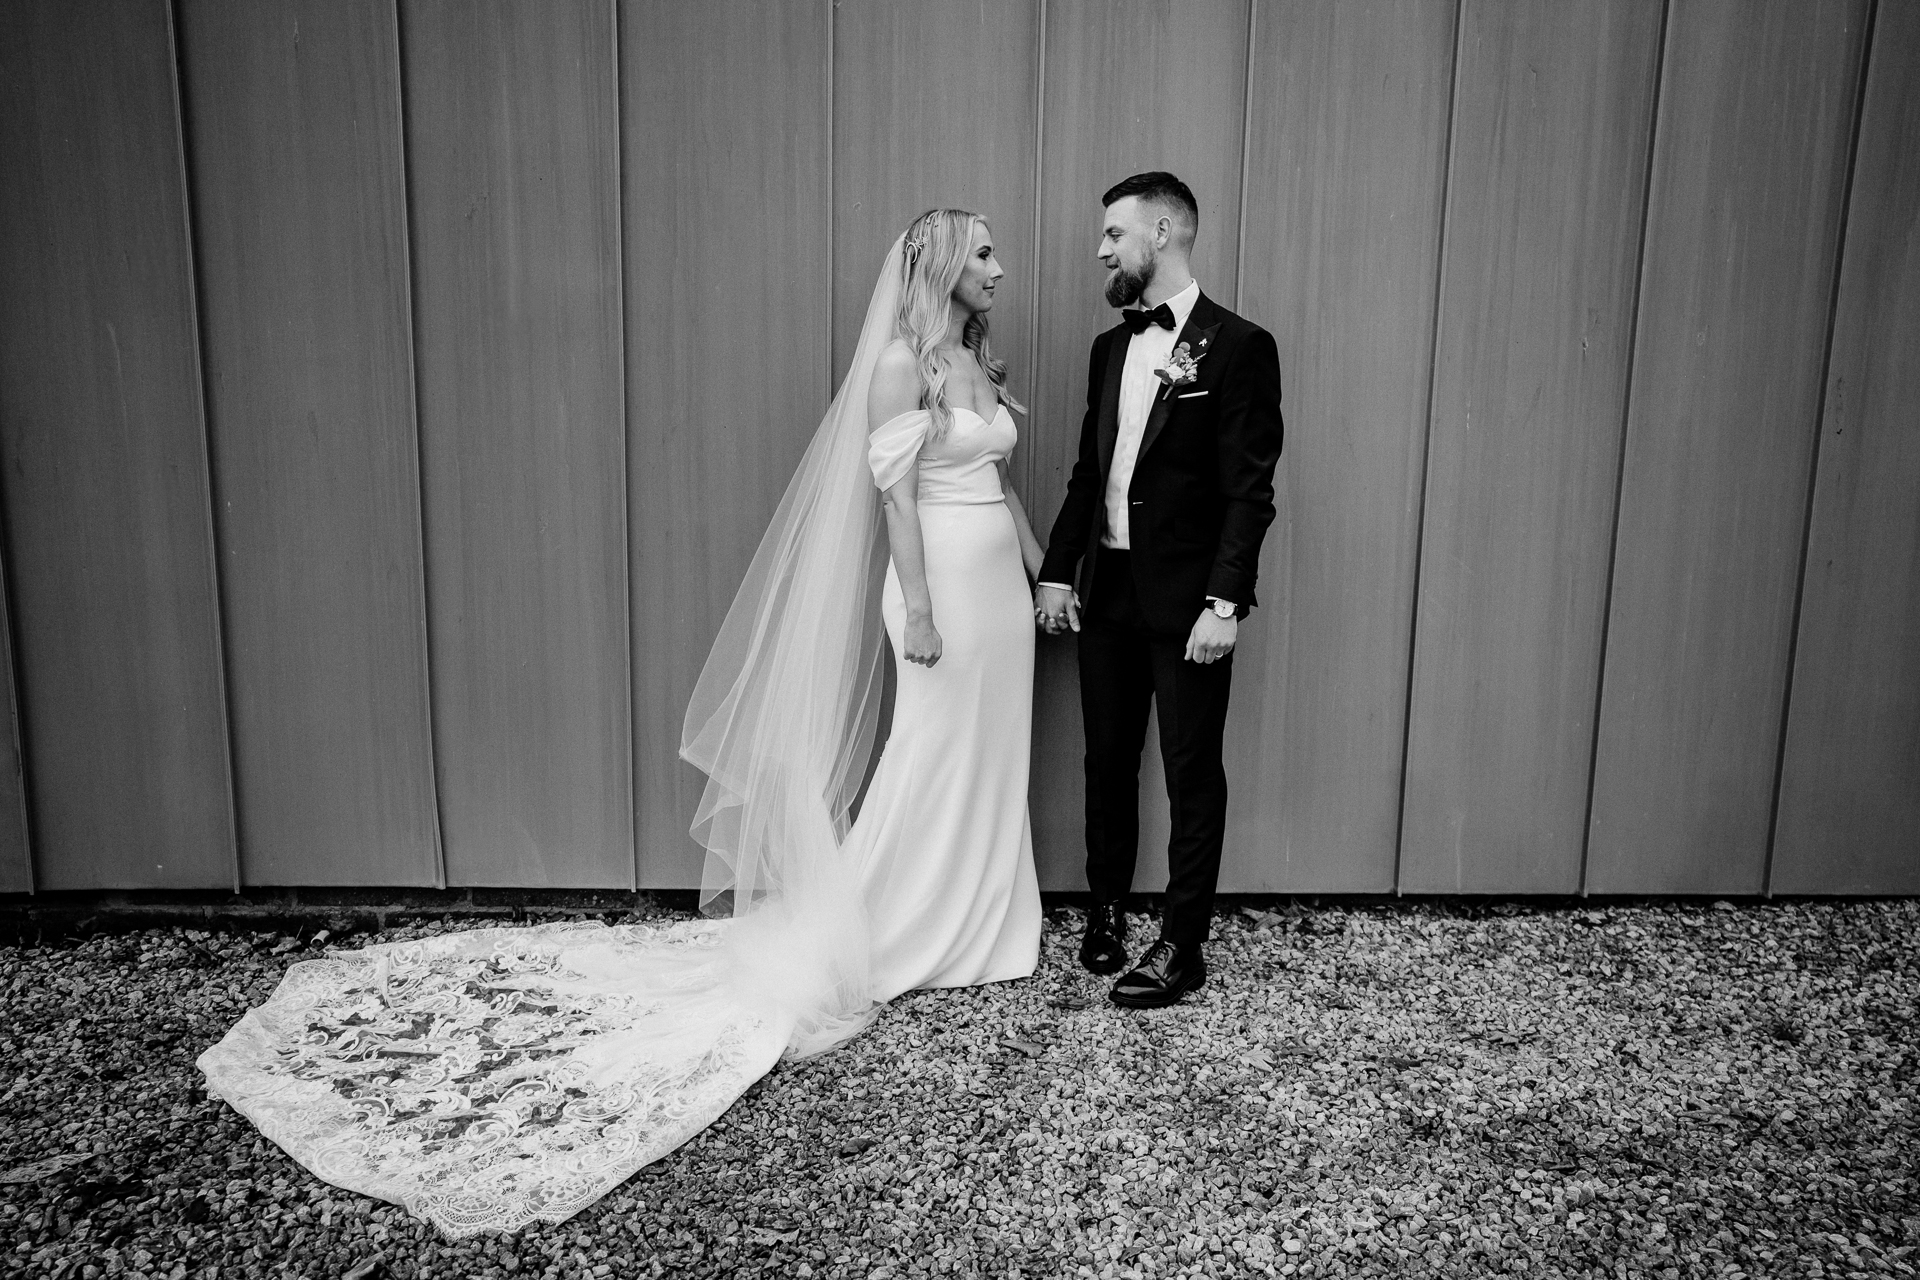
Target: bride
[(487, 1079)]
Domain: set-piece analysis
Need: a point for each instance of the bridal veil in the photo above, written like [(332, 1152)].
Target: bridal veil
[(784, 715)]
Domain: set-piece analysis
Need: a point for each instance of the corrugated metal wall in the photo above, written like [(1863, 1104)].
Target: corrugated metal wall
[(391, 395)]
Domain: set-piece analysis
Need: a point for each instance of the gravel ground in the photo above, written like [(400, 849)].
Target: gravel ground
[(1404, 1090)]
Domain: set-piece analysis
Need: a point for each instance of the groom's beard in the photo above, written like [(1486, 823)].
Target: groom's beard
[(1124, 287)]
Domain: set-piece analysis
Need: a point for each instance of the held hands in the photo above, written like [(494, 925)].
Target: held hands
[(1212, 637), (1056, 609), (921, 642)]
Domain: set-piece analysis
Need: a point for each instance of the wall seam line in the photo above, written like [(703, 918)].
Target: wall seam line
[(621, 319), (411, 275), (1620, 453), (12, 659), (206, 439), (1246, 164), (12, 675), (1033, 288), (1819, 428), (1426, 443), (833, 208)]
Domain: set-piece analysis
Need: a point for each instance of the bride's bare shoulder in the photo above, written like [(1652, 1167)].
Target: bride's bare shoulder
[(896, 383)]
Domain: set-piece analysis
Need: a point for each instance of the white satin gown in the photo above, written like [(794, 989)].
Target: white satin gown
[(943, 839), (490, 1078)]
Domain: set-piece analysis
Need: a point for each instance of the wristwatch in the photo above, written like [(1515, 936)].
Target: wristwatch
[(1224, 609)]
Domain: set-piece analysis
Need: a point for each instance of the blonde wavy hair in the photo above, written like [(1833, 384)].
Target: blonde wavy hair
[(939, 242)]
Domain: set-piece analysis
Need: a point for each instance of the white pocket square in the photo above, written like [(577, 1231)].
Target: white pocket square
[(1190, 395)]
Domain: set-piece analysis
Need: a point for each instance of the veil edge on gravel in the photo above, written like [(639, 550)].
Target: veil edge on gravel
[(783, 719)]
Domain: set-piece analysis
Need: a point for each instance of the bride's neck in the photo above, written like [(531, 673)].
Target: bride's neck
[(956, 335)]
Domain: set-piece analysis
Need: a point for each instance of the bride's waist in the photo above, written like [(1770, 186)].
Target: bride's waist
[(938, 499)]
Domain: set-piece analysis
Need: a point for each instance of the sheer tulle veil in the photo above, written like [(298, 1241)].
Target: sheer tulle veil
[(783, 719)]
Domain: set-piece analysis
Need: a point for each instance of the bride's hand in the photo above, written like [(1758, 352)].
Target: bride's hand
[(922, 642)]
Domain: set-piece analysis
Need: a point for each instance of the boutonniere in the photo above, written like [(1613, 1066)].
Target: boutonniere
[(1181, 368)]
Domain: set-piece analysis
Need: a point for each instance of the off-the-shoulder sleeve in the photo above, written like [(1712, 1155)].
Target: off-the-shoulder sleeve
[(894, 444)]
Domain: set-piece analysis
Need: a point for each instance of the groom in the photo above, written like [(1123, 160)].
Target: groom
[(1164, 514)]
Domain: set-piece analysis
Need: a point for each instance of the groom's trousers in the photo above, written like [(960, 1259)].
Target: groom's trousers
[(1126, 669)]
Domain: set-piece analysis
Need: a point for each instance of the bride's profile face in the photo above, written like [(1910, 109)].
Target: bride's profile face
[(980, 275)]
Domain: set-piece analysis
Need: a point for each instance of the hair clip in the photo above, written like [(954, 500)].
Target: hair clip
[(913, 249)]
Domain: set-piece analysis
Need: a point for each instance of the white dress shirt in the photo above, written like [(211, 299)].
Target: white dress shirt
[(1147, 351)]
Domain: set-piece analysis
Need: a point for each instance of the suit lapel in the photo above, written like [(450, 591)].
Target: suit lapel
[(1110, 399), (1198, 333)]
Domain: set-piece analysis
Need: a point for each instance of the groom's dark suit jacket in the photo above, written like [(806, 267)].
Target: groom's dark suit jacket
[(1202, 489)]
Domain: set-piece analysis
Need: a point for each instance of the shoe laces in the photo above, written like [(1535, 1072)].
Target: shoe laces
[(1159, 951)]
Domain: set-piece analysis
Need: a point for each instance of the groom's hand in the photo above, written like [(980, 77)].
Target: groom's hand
[(1212, 637), (1057, 609)]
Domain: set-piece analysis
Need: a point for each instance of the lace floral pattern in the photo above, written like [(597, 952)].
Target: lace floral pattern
[(487, 1079)]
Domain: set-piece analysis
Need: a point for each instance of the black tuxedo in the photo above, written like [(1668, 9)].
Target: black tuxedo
[(1199, 503)]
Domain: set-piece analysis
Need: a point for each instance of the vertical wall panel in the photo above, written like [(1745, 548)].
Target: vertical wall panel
[(1345, 170), (1551, 128), (728, 175), (1750, 154), (512, 135), (1128, 88), (1849, 809), (114, 603), (933, 105), (298, 172)]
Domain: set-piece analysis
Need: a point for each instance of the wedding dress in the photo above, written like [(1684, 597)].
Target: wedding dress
[(487, 1079), (943, 844)]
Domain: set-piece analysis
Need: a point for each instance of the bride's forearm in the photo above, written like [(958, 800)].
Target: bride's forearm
[(908, 551)]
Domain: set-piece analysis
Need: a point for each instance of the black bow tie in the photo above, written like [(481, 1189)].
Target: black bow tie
[(1137, 321)]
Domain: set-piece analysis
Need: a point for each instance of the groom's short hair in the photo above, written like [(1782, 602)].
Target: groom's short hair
[(1166, 191)]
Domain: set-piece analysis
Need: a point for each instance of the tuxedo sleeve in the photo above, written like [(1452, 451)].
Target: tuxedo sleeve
[(1068, 541), (1249, 438)]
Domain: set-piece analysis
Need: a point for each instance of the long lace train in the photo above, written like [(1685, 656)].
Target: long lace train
[(487, 1079)]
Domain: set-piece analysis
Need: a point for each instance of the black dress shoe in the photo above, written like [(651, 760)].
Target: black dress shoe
[(1163, 975), (1103, 946)]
